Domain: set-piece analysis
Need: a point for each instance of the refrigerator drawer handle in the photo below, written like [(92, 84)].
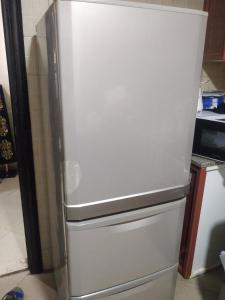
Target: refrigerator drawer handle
[(139, 222)]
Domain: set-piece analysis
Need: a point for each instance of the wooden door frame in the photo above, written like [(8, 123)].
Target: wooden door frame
[(14, 41)]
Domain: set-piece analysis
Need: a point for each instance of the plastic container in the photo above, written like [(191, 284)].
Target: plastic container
[(213, 99), (200, 105), (222, 291)]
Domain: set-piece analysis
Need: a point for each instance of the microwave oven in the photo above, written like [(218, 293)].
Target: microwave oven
[(209, 137)]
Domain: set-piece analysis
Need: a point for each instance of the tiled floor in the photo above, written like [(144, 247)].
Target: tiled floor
[(35, 287), (41, 287), (204, 287), (12, 239)]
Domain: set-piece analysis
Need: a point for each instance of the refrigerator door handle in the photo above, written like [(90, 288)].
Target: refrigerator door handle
[(108, 207)]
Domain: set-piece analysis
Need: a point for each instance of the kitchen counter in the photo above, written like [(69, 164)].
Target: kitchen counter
[(207, 163)]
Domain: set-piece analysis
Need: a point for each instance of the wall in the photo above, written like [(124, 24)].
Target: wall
[(4, 80), (193, 4), (210, 238), (32, 11), (213, 74)]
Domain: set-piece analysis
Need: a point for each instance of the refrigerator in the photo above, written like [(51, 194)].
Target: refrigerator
[(119, 84)]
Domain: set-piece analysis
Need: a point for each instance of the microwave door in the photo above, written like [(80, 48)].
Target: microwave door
[(209, 139)]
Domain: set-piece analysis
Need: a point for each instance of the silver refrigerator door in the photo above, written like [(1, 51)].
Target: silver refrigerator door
[(129, 80)]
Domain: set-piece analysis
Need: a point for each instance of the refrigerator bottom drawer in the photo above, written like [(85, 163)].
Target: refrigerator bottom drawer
[(159, 286), (110, 251)]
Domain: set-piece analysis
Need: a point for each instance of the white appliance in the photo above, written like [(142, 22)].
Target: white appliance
[(209, 137), (210, 237), (119, 83)]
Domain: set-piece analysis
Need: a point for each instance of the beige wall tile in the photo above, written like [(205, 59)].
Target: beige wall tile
[(47, 259), (33, 86), (195, 4), (31, 56), (213, 76), (153, 1), (33, 10), (178, 3), (29, 25), (32, 66), (27, 7), (4, 79), (27, 45), (40, 7)]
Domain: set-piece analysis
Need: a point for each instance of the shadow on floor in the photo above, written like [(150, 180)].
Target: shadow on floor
[(210, 284), (204, 287), (213, 280)]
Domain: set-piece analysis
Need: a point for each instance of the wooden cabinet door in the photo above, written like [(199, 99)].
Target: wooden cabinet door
[(215, 36)]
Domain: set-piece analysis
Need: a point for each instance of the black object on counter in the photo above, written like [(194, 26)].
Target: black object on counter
[(220, 109)]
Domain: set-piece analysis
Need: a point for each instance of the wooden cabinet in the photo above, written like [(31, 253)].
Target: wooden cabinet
[(204, 221), (191, 220), (215, 36)]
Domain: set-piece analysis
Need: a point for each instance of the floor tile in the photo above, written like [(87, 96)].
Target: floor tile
[(42, 287), (10, 281), (35, 287), (13, 256), (39, 287), (204, 287)]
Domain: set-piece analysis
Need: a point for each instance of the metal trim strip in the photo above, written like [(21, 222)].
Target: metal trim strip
[(96, 209), (126, 286)]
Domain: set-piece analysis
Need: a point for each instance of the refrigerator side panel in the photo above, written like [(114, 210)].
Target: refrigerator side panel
[(129, 81), (52, 132)]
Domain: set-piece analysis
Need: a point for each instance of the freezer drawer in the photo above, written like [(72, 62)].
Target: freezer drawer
[(113, 250), (159, 286)]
